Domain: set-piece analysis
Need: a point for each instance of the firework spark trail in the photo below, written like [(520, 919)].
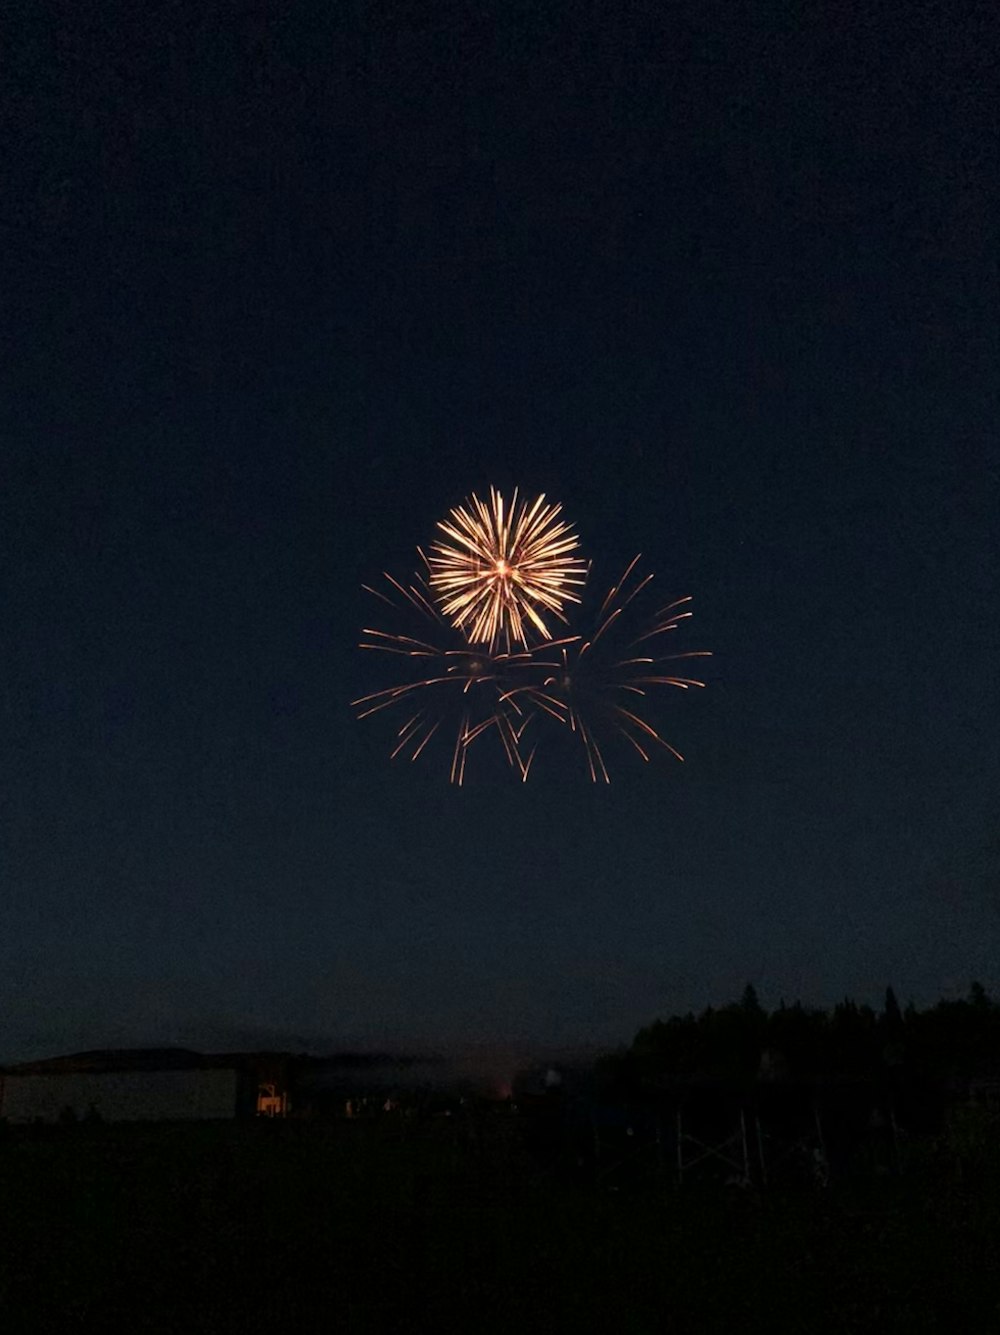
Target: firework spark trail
[(503, 567), (449, 688), (584, 690), (488, 663)]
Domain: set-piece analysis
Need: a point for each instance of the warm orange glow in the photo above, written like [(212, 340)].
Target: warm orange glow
[(503, 567), (271, 1101)]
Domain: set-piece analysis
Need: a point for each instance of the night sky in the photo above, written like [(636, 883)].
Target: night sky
[(282, 284)]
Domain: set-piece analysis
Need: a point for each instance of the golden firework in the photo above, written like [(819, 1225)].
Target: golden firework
[(503, 568), (583, 682), (447, 684)]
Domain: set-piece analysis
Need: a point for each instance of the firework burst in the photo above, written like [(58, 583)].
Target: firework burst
[(598, 686), (448, 685), (502, 568)]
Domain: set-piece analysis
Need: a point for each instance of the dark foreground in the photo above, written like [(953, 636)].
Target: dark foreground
[(409, 1226)]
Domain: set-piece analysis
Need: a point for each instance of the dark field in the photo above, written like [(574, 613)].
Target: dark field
[(443, 1225)]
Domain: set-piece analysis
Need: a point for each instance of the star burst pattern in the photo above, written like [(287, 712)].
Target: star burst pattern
[(502, 567), (446, 685), (475, 657), (598, 686)]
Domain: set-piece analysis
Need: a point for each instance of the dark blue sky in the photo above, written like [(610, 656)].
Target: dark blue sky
[(279, 291)]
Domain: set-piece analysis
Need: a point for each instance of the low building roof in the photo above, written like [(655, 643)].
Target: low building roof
[(145, 1059)]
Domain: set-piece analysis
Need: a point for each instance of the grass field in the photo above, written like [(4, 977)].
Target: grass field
[(409, 1226)]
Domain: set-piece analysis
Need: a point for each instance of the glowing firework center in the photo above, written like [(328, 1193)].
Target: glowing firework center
[(503, 567), (460, 636)]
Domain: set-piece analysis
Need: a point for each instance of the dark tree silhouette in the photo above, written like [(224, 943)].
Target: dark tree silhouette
[(944, 1047)]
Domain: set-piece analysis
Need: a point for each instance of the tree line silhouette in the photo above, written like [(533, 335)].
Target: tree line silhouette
[(946, 1046)]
